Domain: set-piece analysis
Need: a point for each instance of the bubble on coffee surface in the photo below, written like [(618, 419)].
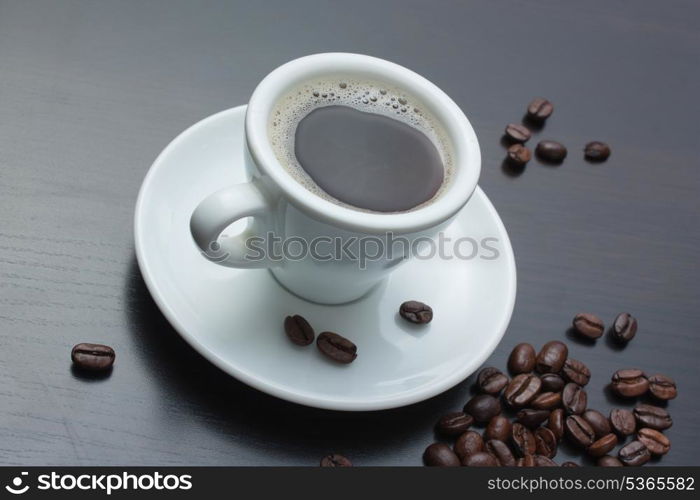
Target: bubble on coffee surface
[(363, 95)]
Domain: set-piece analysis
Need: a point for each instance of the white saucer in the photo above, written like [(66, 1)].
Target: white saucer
[(234, 317)]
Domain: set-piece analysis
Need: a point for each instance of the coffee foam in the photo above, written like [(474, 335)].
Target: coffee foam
[(361, 94)]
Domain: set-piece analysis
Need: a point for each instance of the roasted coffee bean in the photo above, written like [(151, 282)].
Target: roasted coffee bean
[(555, 422), (634, 454), (416, 312), (539, 109), (298, 330), (522, 359), (517, 133), (551, 382), (531, 418), (518, 155), (483, 407), (499, 427), (598, 421), (501, 452), (523, 440), (491, 380), (468, 443), (570, 464), (629, 383), (526, 461), (653, 417), (624, 328), (656, 443), (575, 371), (596, 151), (622, 422), (546, 401), (522, 389), (542, 461), (602, 445), (454, 424), (551, 151), (588, 325), (662, 387), (578, 431), (336, 347), (480, 459), (608, 461), (574, 399), (440, 455), (92, 357), (552, 357), (335, 460), (545, 442)]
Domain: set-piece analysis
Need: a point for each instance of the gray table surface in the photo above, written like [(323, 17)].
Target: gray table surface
[(91, 91)]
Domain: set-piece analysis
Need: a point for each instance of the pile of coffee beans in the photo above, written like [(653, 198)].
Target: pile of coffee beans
[(552, 152), (527, 415)]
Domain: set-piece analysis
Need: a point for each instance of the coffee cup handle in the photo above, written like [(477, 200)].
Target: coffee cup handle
[(224, 207)]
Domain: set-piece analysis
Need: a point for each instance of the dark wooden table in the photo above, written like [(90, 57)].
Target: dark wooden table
[(90, 92)]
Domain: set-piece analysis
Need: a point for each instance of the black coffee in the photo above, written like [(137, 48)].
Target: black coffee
[(361, 144)]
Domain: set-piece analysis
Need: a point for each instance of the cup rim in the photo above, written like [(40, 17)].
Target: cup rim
[(466, 152)]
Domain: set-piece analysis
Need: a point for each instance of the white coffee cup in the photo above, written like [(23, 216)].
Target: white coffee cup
[(283, 210)]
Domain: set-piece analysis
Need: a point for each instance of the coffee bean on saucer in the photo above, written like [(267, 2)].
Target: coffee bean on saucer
[(480, 459), (92, 357), (599, 422), (551, 151), (416, 312), (602, 445), (539, 109), (518, 155), (596, 151), (335, 460), (570, 464), (552, 357), (440, 455), (629, 383), (656, 443), (454, 424), (574, 399), (531, 418), (624, 328), (468, 443), (522, 389), (522, 359), (336, 347), (575, 371), (634, 454), (523, 440), (622, 421), (609, 461), (653, 417), (545, 442), (499, 427), (491, 380), (518, 133), (578, 431), (501, 452), (298, 330), (555, 422), (588, 325), (662, 387), (552, 382), (546, 401), (483, 407)]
